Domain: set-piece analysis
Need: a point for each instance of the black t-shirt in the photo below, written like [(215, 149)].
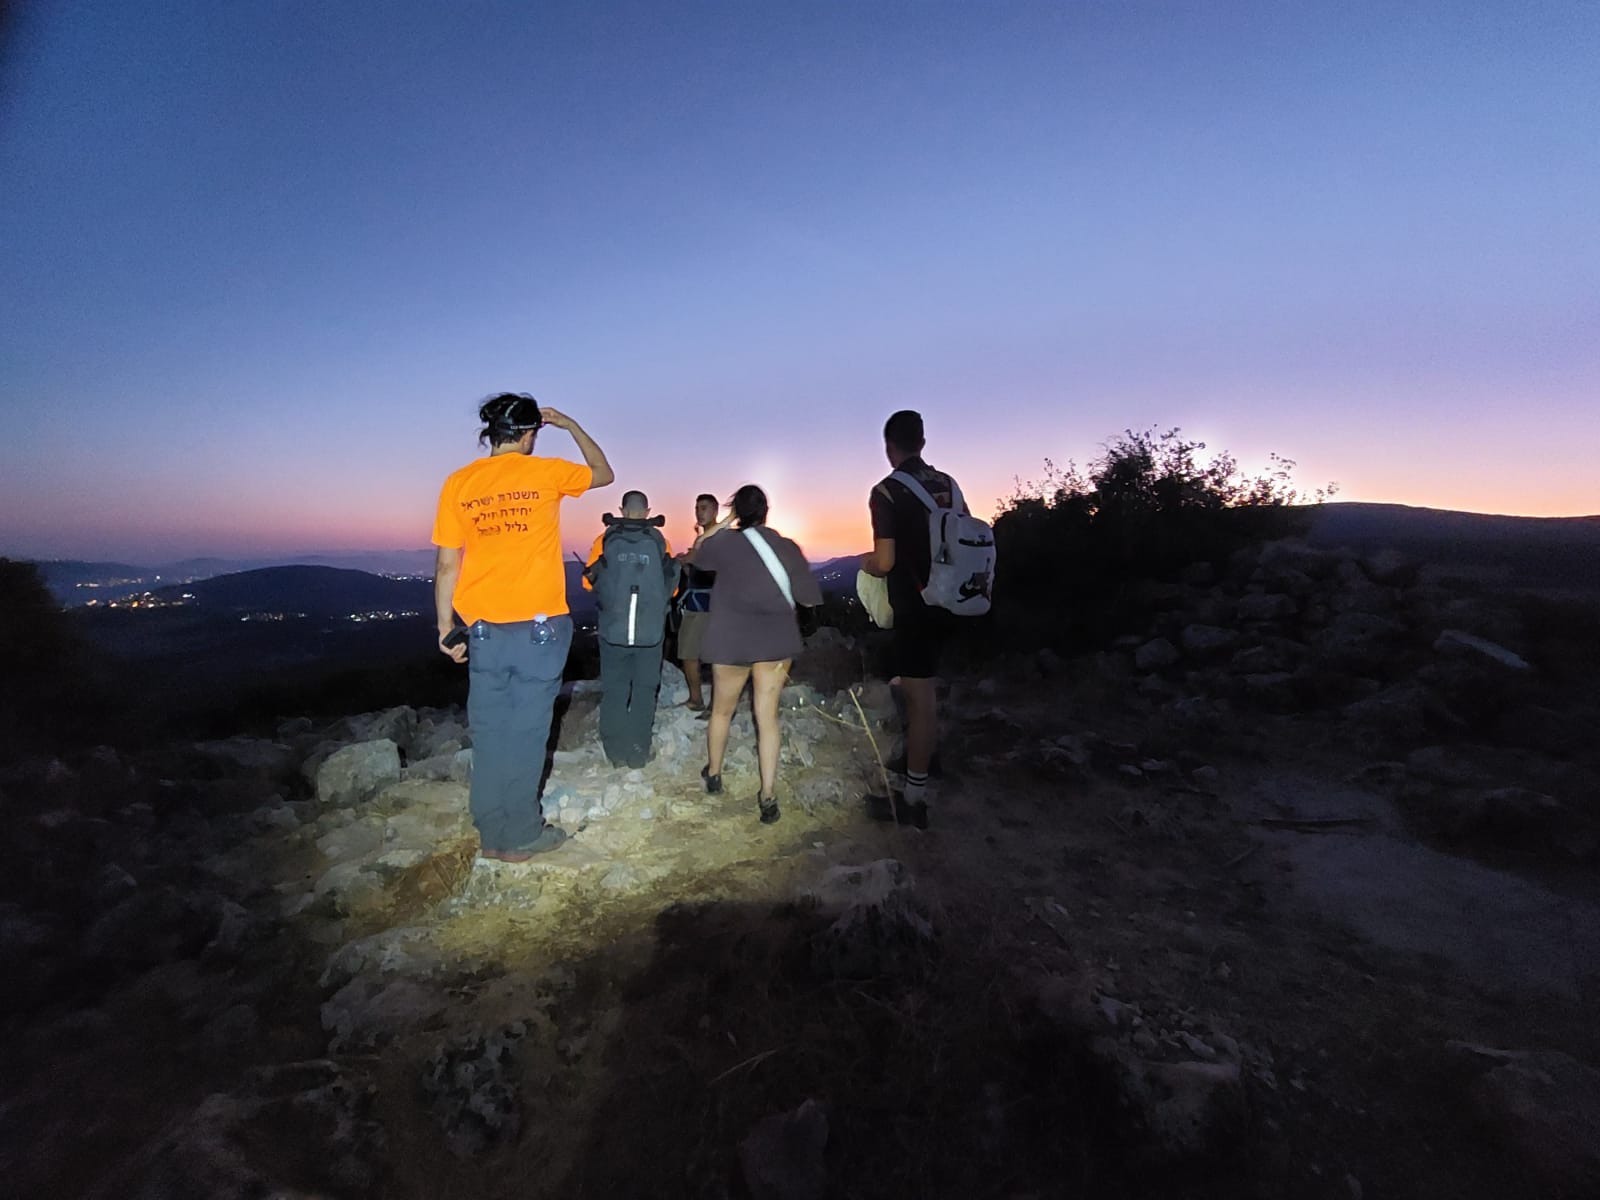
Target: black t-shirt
[(898, 514)]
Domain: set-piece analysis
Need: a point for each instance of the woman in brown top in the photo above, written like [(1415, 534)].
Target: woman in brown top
[(752, 633)]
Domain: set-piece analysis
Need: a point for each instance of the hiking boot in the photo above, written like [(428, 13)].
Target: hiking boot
[(769, 809), (713, 782), (901, 811), (549, 838)]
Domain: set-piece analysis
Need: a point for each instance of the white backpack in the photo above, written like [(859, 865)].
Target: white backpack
[(962, 575)]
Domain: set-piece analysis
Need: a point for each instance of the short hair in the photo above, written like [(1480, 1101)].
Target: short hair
[(507, 416), (707, 496), (635, 500), (903, 431), (749, 504)]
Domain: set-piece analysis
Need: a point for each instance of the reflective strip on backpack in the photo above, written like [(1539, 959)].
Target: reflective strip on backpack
[(633, 613)]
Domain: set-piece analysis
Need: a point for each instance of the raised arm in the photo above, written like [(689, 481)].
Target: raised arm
[(706, 534), (587, 446)]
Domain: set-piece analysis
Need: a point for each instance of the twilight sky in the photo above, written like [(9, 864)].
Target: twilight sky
[(259, 262)]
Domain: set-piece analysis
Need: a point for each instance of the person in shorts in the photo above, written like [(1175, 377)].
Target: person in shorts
[(902, 556), (753, 633), (695, 602)]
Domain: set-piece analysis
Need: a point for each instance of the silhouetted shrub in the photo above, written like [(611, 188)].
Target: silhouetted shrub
[(1073, 547), (49, 683)]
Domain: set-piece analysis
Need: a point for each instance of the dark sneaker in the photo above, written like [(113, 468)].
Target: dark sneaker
[(713, 782), (769, 810), (901, 811)]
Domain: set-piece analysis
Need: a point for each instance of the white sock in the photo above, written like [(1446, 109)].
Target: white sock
[(916, 789)]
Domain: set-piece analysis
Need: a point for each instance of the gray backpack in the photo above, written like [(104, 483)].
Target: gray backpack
[(633, 581)]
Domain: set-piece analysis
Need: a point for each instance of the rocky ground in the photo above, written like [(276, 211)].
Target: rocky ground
[(1293, 896)]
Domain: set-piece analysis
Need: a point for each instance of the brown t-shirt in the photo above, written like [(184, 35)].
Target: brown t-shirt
[(751, 622)]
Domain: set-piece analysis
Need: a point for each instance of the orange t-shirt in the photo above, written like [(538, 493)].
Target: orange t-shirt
[(594, 556), (504, 512)]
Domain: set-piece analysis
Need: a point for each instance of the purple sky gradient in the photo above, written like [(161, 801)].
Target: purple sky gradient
[(260, 262)]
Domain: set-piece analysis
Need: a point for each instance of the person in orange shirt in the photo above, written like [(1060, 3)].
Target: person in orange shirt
[(499, 568)]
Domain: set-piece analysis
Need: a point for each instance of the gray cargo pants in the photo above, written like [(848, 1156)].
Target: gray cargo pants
[(631, 677), (513, 682)]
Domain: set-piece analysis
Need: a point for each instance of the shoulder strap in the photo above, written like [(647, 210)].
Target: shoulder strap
[(769, 556), (910, 483), (958, 502)]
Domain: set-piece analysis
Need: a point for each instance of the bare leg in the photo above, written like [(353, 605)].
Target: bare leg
[(922, 723), (691, 674), (769, 677), (726, 685)]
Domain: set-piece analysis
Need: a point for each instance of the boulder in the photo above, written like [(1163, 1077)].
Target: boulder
[(1390, 568), (1274, 690), (1460, 642), (1399, 713), (437, 736), (251, 756), (1359, 641), (879, 929), (471, 1086), (354, 773), (418, 850), (1265, 606), (1274, 654), (396, 724), (784, 1155), (368, 1013), (1293, 554), (1544, 1105), (1208, 641), (1155, 655), (1181, 1111), (1285, 581), (674, 688), (216, 1149)]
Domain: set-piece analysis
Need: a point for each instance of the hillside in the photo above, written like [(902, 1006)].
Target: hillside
[(1534, 552), (315, 592)]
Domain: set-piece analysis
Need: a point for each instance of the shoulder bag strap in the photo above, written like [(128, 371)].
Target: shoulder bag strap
[(769, 556)]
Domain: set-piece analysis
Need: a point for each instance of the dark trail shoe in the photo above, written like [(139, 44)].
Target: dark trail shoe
[(769, 810), (713, 782), (901, 811), (549, 838)]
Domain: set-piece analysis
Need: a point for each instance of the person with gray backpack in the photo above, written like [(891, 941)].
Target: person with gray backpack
[(633, 575)]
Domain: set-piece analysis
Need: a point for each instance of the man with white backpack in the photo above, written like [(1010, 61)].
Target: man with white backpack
[(938, 562)]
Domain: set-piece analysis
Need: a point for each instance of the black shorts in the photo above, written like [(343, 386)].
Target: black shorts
[(915, 641)]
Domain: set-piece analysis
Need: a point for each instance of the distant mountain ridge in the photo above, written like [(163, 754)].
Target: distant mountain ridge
[(1532, 552), (1358, 521), (1561, 550), (311, 591)]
